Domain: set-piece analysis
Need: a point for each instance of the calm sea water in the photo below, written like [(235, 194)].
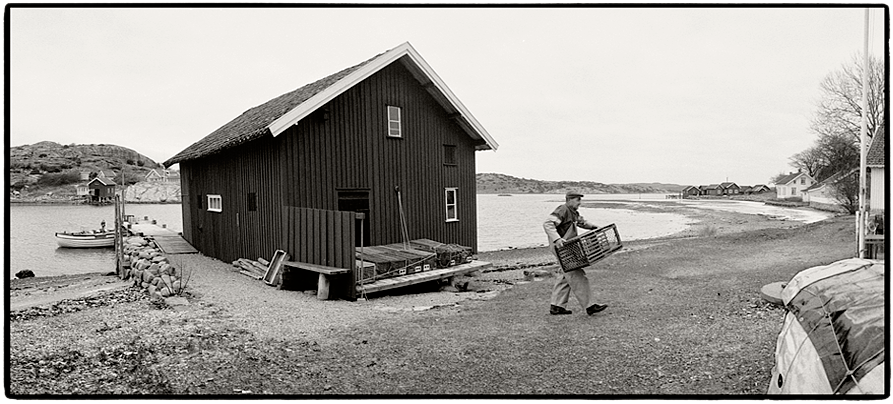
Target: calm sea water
[(32, 243), (517, 221), (503, 222)]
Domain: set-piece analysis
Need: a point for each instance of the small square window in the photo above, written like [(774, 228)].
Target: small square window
[(215, 203), (449, 155), (394, 122), (252, 201), (451, 209)]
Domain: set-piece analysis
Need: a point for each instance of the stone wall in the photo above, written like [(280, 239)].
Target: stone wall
[(151, 270)]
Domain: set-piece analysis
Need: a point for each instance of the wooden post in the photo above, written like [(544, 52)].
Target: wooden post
[(322, 289)]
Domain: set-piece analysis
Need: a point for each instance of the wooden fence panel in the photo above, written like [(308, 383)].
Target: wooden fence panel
[(322, 237)]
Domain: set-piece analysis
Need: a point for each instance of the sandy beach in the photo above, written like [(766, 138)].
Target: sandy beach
[(684, 317)]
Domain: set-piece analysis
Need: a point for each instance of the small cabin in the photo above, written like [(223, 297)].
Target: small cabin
[(690, 191), (101, 189), (154, 176), (730, 188), (759, 189), (712, 189), (82, 190)]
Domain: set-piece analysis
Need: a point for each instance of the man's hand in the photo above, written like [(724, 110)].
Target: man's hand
[(559, 243)]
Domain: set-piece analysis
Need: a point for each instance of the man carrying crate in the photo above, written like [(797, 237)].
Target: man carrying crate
[(561, 226)]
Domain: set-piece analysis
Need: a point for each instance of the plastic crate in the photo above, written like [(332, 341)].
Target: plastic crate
[(589, 248)]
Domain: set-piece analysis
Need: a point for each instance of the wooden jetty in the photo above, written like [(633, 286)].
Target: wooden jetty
[(168, 240)]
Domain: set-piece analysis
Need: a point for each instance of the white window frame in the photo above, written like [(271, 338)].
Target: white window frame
[(215, 203), (399, 121), (446, 198)]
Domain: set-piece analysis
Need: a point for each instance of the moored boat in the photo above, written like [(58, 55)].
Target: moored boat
[(86, 239)]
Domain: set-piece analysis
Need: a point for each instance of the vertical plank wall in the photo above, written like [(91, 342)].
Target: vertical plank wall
[(322, 237)]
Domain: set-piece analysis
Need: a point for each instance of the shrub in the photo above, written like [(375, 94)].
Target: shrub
[(55, 179), (140, 163), (50, 168), (42, 155), (130, 162), (19, 185)]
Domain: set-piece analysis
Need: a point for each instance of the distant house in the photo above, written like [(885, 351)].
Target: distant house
[(690, 191), (154, 176), (821, 195), (874, 159), (759, 189), (712, 189), (101, 189), (745, 189), (730, 188), (792, 185), (172, 176), (85, 175)]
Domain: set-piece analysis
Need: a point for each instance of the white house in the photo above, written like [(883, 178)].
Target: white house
[(153, 176), (793, 185), (821, 195), (874, 160)]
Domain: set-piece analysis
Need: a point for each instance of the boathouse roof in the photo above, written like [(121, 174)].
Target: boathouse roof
[(275, 116)]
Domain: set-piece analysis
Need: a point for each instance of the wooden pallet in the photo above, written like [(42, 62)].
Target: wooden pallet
[(406, 280)]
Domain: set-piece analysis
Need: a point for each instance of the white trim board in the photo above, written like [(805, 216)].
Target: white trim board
[(323, 97)]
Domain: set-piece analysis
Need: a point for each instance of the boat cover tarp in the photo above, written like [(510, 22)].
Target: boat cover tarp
[(832, 340)]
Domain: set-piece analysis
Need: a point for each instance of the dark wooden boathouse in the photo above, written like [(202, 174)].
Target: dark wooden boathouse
[(385, 138)]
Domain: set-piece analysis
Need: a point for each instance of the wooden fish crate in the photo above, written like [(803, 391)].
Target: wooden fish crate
[(589, 248)]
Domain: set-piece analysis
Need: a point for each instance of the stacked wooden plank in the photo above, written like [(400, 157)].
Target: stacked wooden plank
[(250, 268)]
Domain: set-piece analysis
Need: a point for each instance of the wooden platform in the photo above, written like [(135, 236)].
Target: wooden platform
[(406, 280), (168, 240)]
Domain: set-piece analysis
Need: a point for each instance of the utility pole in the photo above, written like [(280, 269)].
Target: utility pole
[(861, 215)]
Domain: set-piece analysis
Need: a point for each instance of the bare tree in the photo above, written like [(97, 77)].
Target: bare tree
[(846, 190), (809, 161), (840, 108)]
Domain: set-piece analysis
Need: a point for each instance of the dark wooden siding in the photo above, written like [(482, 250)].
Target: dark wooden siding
[(345, 146), (341, 146), (235, 232)]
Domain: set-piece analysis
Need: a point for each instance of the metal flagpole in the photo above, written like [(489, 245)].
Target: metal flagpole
[(861, 216)]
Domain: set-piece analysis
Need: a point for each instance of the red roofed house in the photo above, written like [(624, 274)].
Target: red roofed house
[(385, 138)]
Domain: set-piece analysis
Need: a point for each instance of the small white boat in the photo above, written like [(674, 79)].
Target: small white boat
[(86, 239)]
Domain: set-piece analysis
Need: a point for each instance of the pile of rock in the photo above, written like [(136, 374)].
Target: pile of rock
[(150, 269)]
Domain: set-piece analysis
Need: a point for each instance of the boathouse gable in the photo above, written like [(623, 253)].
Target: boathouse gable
[(342, 155)]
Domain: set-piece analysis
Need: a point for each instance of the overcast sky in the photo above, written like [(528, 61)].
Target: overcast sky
[(674, 95)]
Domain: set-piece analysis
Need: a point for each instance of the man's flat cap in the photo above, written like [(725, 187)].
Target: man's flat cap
[(573, 194)]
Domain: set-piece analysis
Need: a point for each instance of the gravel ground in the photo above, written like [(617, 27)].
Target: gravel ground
[(684, 318)]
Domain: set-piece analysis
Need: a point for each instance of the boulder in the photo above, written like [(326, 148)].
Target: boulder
[(159, 259), (156, 281), (177, 286), (151, 290), (165, 268), (165, 292), (147, 276), (144, 254), (25, 273), (144, 285)]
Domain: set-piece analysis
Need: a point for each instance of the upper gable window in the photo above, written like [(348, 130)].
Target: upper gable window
[(394, 122), (449, 155)]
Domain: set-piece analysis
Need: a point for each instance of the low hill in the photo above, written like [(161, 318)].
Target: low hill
[(492, 183), (49, 167)]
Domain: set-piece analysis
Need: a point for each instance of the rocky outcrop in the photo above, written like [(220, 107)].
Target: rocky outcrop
[(491, 183), (153, 192)]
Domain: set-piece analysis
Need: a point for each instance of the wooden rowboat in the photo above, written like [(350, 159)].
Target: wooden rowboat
[(86, 239)]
